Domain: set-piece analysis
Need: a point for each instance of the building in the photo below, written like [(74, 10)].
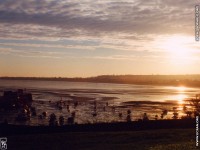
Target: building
[(15, 99)]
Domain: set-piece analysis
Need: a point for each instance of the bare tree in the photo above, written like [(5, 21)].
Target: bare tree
[(195, 104)]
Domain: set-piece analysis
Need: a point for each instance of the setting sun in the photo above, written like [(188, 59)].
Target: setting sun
[(178, 49)]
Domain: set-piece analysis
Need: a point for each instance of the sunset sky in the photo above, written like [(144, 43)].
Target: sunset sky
[(81, 38)]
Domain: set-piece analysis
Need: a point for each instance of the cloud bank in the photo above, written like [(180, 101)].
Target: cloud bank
[(64, 19)]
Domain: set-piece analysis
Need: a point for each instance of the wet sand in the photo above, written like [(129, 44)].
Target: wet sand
[(112, 101)]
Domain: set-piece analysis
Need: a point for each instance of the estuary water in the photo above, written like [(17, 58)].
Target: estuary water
[(111, 100)]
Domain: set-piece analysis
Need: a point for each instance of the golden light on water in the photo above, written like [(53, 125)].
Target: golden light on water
[(181, 89), (181, 96)]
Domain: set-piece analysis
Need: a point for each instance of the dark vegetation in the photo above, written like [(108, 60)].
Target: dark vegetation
[(175, 80), (167, 139), (8, 129)]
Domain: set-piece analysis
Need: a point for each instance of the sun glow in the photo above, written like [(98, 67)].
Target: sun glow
[(181, 89), (178, 50), (181, 98)]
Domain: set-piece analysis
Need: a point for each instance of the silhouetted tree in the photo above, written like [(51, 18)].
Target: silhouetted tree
[(156, 117), (145, 117), (195, 104), (175, 113), (164, 113), (128, 118), (52, 120), (61, 120)]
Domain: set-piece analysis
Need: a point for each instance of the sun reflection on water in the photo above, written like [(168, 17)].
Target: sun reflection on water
[(181, 98), (181, 89)]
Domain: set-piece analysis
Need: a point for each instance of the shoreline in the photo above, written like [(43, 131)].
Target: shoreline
[(186, 82)]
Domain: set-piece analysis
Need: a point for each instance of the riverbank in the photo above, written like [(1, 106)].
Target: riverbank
[(192, 80)]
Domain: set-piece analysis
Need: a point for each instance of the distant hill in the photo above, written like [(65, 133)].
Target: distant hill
[(175, 80)]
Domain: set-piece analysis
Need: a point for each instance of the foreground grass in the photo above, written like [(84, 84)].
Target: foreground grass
[(166, 139)]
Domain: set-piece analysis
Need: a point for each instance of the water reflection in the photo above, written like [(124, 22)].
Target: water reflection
[(180, 98), (181, 89), (139, 99)]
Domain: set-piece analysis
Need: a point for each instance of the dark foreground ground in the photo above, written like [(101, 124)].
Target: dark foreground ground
[(158, 139), (147, 135)]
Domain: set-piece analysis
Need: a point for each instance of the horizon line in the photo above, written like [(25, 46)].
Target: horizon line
[(99, 75)]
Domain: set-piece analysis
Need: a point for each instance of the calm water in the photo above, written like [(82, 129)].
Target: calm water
[(120, 98)]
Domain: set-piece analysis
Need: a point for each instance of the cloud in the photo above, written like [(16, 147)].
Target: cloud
[(64, 19), (55, 46), (29, 53), (5, 50), (112, 25)]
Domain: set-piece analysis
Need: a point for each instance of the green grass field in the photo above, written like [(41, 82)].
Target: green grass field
[(166, 139)]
